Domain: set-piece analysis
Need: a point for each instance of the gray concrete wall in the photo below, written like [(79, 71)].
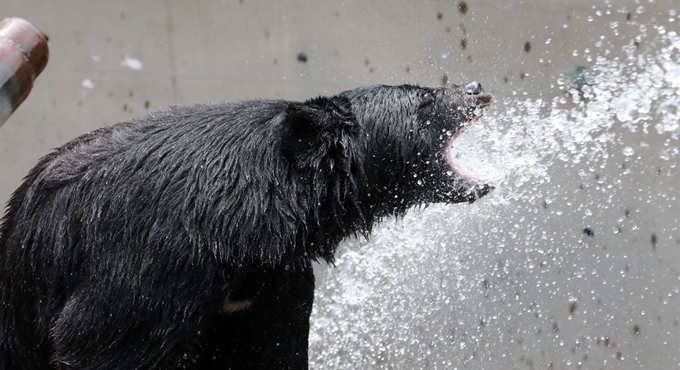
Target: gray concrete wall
[(226, 50)]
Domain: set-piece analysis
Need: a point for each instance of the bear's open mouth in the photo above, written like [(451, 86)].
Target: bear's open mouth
[(477, 103)]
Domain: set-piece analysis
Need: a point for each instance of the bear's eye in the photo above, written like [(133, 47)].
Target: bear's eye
[(426, 99)]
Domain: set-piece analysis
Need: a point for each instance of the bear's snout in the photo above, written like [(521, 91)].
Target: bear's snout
[(474, 88)]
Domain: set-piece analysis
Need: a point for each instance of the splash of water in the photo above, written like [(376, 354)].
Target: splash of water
[(521, 141), (476, 286)]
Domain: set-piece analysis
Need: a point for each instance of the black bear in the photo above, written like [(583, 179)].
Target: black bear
[(184, 239)]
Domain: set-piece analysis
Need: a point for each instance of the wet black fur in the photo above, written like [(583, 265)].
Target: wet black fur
[(119, 249)]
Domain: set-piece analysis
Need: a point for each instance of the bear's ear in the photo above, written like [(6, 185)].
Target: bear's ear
[(317, 127)]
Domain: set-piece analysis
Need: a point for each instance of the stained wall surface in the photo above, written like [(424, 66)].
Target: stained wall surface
[(585, 277)]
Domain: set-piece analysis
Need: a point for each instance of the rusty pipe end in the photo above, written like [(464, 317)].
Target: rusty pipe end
[(29, 40)]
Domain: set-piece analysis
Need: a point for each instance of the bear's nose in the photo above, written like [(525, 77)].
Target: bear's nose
[(474, 88)]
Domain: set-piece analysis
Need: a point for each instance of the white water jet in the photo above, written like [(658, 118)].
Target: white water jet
[(546, 270)]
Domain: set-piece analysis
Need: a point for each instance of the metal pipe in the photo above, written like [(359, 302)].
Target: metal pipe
[(23, 55)]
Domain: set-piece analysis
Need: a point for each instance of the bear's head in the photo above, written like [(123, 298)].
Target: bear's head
[(408, 131), (381, 149)]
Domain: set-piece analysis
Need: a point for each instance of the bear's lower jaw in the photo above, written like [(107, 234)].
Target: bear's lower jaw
[(467, 186), (458, 190), (471, 193)]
